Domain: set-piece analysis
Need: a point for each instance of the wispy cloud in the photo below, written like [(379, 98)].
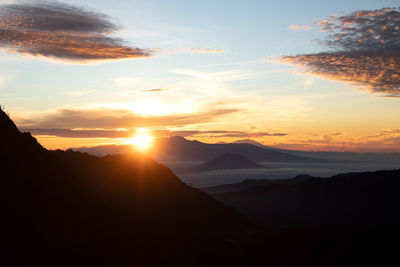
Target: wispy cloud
[(300, 27), (217, 76), (188, 50), (387, 140), (70, 133), (62, 31), (155, 90), (2, 81), (80, 92), (366, 51), (125, 81), (104, 133), (237, 134), (205, 51), (384, 133), (117, 118), (392, 131)]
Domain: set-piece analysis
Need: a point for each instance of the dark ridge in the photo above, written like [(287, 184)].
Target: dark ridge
[(363, 199), (12, 140), (248, 183)]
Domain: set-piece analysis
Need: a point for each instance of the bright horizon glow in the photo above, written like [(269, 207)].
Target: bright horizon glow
[(142, 141)]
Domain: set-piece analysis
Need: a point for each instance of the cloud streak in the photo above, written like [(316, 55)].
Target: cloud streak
[(365, 50), (69, 133), (300, 27), (187, 51), (112, 119), (101, 133), (62, 31), (205, 51), (240, 134), (156, 90), (80, 92)]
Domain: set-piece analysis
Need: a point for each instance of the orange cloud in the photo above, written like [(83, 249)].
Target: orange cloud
[(154, 90), (377, 73), (300, 27), (69, 133), (113, 119), (382, 141), (62, 31), (102, 133)]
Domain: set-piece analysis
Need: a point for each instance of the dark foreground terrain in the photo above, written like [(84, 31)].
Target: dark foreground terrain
[(73, 209), (345, 200)]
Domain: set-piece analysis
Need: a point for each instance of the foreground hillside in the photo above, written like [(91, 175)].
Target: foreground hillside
[(68, 207)]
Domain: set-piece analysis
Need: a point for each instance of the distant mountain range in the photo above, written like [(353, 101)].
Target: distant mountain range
[(363, 199), (227, 161), (332, 155), (180, 149)]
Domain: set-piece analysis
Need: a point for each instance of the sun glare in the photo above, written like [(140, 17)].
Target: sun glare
[(142, 141)]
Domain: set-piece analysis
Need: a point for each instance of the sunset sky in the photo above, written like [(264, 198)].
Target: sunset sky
[(309, 75)]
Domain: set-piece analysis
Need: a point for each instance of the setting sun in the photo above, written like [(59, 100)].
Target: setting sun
[(142, 141)]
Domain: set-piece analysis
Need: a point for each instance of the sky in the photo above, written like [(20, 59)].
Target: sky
[(305, 75)]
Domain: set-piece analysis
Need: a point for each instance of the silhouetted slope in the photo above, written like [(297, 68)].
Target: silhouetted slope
[(252, 142), (248, 183), (10, 135), (224, 162), (69, 207), (347, 200), (105, 150)]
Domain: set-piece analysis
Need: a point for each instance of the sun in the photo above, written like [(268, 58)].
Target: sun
[(142, 141)]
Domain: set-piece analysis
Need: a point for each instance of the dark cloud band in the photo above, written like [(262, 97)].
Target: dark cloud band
[(112, 119), (378, 73), (70, 133)]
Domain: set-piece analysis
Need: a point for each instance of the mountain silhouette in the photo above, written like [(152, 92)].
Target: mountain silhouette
[(227, 161), (68, 207), (332, 156), (364, 199), (251, 142), (180, 149), (249, 183)]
